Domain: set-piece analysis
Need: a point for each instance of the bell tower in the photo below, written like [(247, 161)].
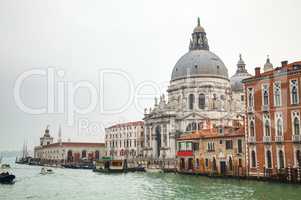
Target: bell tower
[(46, 139)]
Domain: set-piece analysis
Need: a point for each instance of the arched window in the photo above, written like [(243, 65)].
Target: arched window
[(250, 98), (200, 125), (294, 95), (84, 154), (294, 92), (253, 157), (281, 159), (296, 126), (191, 127), (252, 129), (277, 93), (265, 98), (279, 127), (202, 101), (214, 106), (267, 128), (269, 159), (191, 101)]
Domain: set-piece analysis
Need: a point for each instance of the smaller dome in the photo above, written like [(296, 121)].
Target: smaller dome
[(236, 81), (268, 65), (241, 73), (241, 62)]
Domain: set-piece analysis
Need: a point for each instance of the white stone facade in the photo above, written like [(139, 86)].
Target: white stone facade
[(125, 141), (200, 95)]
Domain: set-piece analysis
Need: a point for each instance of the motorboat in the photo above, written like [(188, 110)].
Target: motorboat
[(153, 169), (106, 165), (45, 171), (6, 176)]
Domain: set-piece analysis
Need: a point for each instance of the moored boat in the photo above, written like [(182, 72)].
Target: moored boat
[(6, 176), (139, 168), (107, 165), (153, 169)]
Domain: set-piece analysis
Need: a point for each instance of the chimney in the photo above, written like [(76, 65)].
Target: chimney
[(257, 71), (284, 63)]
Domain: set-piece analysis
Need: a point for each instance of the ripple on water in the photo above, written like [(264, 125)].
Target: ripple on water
[(86, 185)]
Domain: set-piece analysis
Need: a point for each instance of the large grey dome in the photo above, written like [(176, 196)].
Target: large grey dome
[(199, 63)]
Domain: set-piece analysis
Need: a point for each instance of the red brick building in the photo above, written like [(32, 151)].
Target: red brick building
[(273, 107)]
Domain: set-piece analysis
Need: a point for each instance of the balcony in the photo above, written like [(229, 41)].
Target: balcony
[(265, 108), (250, 109), (267, 139), (296, 138), (279, 139), (252, 139)]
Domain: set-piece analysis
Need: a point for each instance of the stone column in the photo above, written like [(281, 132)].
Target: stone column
[(153, 141)]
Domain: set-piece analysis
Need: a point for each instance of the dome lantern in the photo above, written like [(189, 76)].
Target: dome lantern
[(199, 39)]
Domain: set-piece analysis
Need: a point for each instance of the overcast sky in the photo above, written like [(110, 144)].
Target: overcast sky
[(143, 39)]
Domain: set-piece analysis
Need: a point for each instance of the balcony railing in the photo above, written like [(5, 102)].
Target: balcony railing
[(296, 138), (265, 108), (267, 139), (250, 109), (279, 139), (251, 139)]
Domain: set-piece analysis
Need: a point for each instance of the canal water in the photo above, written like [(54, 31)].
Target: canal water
[(87, 185)]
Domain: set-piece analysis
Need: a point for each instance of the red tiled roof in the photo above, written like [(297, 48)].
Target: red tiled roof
[(73, 144), (213, 133), (136, 123)]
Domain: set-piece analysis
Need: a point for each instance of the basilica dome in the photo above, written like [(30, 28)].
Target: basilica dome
[(199, 61)]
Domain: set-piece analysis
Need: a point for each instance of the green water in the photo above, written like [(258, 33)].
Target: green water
[(86, 185)]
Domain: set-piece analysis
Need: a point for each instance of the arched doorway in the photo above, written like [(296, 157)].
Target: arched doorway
[(182, 163), (298, 158), (190, 163), (269, 159), (158, 140), (97, 155), (84, 154), (214, 167), (69, 156)]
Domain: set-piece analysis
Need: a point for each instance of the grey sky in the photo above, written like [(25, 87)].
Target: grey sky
[(142, 38)]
